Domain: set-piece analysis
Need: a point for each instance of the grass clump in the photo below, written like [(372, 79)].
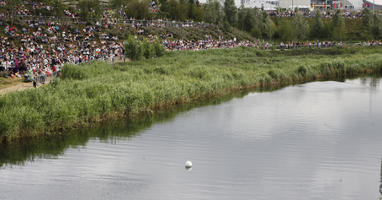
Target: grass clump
[(87, 94)]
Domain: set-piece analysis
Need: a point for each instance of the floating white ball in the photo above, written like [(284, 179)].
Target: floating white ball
[(188, 164)]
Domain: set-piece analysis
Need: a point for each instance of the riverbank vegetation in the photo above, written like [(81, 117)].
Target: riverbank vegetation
[(90, 93)]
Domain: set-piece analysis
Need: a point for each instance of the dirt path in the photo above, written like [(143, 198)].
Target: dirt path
[(19, 86)]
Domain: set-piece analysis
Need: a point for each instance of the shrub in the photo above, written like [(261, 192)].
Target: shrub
[(148, 49), (133, 49), (136, 50), (159, 49)]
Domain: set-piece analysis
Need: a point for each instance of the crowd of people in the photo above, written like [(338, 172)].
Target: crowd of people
[(309, 44), (44, 44), (372, 43), (308, 13), (209, 43), (45, 47)]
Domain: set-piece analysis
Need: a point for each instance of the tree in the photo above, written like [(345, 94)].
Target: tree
[(300, 27), (164, 8), (367, 22), (115, 4), (90, 10), (372, 25), (377, 27), (178, 10), (367, 18), (230, 11), (242, 13), (317, 30), (138, 9), (191, 9), (285, 31), (338, 26), (213, 12), (268, 28)]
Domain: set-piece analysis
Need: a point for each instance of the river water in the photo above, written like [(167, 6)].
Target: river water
[(319, 140)]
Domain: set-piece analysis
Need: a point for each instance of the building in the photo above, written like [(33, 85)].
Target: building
[(264, 4), (376, 4), (75, 2), (333, 4), (292, 4)]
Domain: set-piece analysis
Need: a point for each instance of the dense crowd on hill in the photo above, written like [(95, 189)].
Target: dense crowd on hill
[(308, 13), (46, 46), (309, 44), (45, 43), (179, 45)]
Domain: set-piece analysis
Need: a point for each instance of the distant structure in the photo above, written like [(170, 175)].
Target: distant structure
[(75, 2), (305, 4), (332, 4), (292, 4), (263, 4), (376, 5)]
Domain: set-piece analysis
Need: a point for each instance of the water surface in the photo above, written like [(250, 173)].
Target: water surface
[(318, 140)]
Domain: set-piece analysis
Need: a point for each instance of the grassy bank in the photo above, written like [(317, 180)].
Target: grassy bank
[(96, 92)]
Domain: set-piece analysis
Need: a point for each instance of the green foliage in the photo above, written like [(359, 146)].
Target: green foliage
[(90, 10), (133, 48), (213, 12), (318, 28), (256, 22), (136, 49), (230, 11), (177, 9), (116, 4), (138, 9), (269, 28), (148, 49), (285, 31), (338, 26), (159, 49), (372, 25), (300, 27), (73, 72), (92, 92)]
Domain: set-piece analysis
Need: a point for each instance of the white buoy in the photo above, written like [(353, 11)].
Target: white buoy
[(188, 164)]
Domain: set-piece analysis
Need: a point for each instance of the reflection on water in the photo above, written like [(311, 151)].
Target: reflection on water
[(313, 141), (51, 147)]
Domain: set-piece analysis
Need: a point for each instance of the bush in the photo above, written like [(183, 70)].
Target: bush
[(133, 49), (136, 49), (159, 49), (148, 49)]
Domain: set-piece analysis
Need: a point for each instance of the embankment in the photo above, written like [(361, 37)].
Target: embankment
[(95, 92)]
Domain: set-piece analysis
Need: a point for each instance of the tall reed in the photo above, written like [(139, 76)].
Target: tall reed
[(87, 94)]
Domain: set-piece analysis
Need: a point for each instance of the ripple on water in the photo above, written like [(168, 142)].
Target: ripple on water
[(313, 141)]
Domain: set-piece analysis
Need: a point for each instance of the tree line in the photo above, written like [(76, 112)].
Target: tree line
[(256, 22)]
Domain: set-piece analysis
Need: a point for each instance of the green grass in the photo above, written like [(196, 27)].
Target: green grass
[(94, 92)]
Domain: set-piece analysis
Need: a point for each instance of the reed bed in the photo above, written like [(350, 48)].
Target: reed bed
[(94, 92)]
